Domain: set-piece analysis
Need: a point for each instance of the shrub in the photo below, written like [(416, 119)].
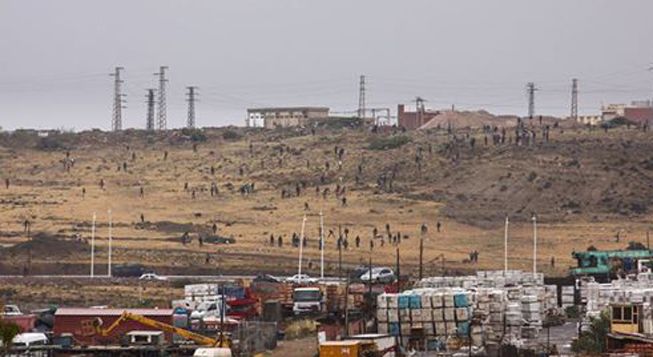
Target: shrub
[(231, 135), (635, 246), (195, 135), (388, 143)]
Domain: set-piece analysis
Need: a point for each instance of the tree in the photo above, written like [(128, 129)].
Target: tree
[(592, 342), (8, 330)]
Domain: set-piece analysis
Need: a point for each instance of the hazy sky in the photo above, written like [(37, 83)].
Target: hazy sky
[(55, 56)]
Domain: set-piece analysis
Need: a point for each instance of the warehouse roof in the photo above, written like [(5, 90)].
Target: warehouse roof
[(110, 312)]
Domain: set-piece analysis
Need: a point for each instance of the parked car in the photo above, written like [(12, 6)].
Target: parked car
[(381, 275), (10, 310), (266, 278), (152, 276), (355, 275), (301, 279), (30, 339)]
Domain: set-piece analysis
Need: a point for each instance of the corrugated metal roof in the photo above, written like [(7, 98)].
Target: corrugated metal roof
[(83, 311)]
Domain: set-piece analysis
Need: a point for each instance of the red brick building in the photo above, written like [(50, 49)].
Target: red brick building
[(639, 115), (79, 322), (413, 120)]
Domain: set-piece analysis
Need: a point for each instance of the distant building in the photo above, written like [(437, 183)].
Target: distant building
[(639, 115), (271, 118), (639, 112), (590, 119), (611, 111), (413, 120)]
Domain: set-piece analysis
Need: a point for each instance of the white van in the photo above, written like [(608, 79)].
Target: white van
[(30, 339)]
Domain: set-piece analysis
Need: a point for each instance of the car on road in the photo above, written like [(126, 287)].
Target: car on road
[(301, 279), (380, 275), (152, 276), (10, 310), (266, 278)]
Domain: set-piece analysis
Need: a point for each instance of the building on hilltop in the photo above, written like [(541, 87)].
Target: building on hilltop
[(638, 112), (271, 118), (413, 120)]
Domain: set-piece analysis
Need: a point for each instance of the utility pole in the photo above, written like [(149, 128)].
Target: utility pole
[(534, 245), (421, 252), (301, 249), (321, 245), (398, 272), (530, 88), (116, 122), (361, 97), (505, 246), (191, 106), (574, 99), (93, 247), (162, 114), (109, 274), (149, 124)]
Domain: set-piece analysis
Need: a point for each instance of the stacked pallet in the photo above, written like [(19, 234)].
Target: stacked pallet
[(484, 279), (435, 314), (567, 296), (489, 307)]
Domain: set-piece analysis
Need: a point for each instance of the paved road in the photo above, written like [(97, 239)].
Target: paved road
[(167, 277), (561, 336)]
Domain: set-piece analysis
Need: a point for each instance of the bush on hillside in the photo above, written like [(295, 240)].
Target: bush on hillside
[(231, 135), (195, 135), (388, 143)]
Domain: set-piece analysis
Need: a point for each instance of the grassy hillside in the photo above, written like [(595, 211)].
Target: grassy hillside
[(584, 186)]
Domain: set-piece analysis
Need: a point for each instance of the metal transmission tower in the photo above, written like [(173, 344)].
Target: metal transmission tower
[(149, 125), (361, 97), (192, 92), (530, 88), (574, 99), (116, 121), (161, 123), (419, 110)]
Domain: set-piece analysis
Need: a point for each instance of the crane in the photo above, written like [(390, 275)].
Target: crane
[(222, 341)]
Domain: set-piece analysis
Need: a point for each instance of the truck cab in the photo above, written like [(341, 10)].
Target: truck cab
[(307, 300)]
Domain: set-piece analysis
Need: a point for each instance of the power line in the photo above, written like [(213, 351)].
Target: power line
[(162, 115), (149, 124), (116, 121), (190, 123)]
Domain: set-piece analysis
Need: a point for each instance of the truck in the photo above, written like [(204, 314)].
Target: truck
[(604, 265), (307, 300)]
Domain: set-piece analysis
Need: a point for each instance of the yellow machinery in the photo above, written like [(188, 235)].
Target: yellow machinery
[(222, 341), (348, 348), (625, 318)]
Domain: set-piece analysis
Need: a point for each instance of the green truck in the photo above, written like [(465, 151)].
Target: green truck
[(604, 265)]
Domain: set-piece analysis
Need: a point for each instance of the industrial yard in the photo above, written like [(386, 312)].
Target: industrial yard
[(326, 178)]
